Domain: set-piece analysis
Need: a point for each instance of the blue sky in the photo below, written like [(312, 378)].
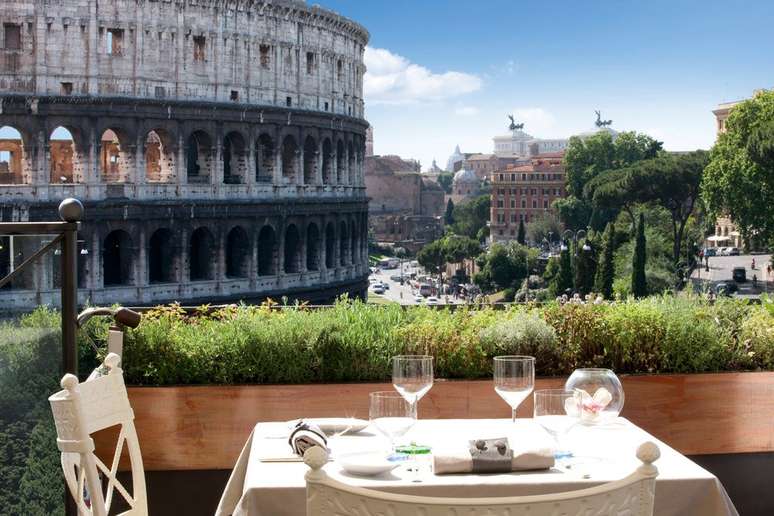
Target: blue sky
[(448, 72)]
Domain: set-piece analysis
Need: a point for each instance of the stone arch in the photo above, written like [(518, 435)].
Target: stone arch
[(163, 259), (66, 161), (234, 159), (12, 157), (353, 243), (160, 156), (327, 164), (115, 160), (343, 243), (237, 253), (118, 259), (310, 161), (292, 249), (289, 154), (267, 251), (330, 246), (203, 255), (264, 159), (340, 162), (351, 162), (199, 157), (312, 247)]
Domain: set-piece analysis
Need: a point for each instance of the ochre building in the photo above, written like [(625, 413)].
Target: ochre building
[(525, 192), (218, 147)]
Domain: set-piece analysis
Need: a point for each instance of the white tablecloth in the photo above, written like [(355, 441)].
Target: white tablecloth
[(602, 454)]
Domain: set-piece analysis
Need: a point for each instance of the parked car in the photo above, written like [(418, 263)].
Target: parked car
[(432, 300), (395, 277), (733, 251), (726, 289), (418, 299), (377, 289), (425, 289), (711, 251), (739, 274)]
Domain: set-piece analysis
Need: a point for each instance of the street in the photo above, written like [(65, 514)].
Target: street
[(721, 268), (398, 293)]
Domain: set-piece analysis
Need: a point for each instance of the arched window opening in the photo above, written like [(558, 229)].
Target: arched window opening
[(237, 253), (264, 159), (289, 154), (162, 258), (267, 252), (340, 162), (350, 163), (113, 160), (234, 159), (199, 158), (312, 248), (327, 170), (12, 158), (13, 251), (202, 257), (343, 244), (353, 240), (66, 165), (118, 259), (159, 157), (330, 247), (310, 161), (292, 250)]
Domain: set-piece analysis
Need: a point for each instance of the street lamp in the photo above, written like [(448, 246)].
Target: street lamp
[(575, 236)]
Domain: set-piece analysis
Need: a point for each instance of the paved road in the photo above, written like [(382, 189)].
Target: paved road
[(722, 266), (402, 294)]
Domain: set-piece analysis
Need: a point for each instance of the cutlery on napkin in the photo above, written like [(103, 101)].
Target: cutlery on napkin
[(491, 456), (303, 436)]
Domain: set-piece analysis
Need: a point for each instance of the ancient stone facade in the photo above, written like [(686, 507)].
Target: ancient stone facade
[(405, 207), (218, 147)]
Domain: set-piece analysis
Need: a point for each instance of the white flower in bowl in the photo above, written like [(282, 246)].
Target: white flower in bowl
[(587, 407)]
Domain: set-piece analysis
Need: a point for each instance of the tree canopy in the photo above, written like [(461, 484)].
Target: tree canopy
[(449, 249), (739, 180), (470, 218), (505, 266), (545, 225)]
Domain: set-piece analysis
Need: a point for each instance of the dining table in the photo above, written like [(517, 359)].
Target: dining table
[(268, 481)]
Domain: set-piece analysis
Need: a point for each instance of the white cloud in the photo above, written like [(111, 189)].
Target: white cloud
[(537, 121), (393, 79), (466, 111)]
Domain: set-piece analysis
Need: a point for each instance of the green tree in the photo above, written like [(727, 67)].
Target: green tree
[(585, 267), (470, 218), (432, 257), (542, 226), (505, 266), (445, 179), (639, 280), (585, 159), (606, 269), (448, 217), (522, 236), (739, 180), (563, 280), (457, 248)]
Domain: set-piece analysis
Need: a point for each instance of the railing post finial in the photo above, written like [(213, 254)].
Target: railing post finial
[(71, 210)]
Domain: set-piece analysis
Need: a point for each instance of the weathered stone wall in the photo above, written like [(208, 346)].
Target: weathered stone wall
[(273, 53)]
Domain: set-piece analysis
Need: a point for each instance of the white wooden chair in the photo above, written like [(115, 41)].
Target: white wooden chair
[(630, 496), (79, 411)]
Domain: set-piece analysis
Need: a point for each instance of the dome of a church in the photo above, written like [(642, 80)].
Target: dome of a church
[(465, 176)]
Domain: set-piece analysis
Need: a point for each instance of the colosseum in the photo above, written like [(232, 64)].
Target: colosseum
[(217, 146)]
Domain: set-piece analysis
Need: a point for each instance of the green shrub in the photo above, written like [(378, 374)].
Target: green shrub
[(524, 333)]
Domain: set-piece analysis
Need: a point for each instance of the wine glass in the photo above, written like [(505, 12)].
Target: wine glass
[(412, 377), (391, 414), (514, 379), (556, 411)]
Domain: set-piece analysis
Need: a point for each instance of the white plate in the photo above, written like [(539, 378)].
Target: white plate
[(335, 425), (366, 463)]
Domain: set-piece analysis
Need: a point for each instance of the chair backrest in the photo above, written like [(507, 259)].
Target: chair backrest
[(79, 411), (630, 496)]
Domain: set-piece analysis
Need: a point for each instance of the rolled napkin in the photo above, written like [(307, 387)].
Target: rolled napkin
[(305, 436), (491, 456)]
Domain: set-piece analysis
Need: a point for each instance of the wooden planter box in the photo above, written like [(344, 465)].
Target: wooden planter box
[(205, 427)]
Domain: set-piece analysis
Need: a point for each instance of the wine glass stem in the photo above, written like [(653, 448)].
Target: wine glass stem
[(414, 409), (513, 415)]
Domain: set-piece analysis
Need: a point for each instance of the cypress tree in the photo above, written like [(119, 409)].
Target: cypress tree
[(639, 282), (585, 267), (563, 279), (448, 217), (522, 236), (606, 270)]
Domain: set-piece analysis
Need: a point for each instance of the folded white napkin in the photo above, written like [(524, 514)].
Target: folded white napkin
[(305, 436), (459, 459)]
